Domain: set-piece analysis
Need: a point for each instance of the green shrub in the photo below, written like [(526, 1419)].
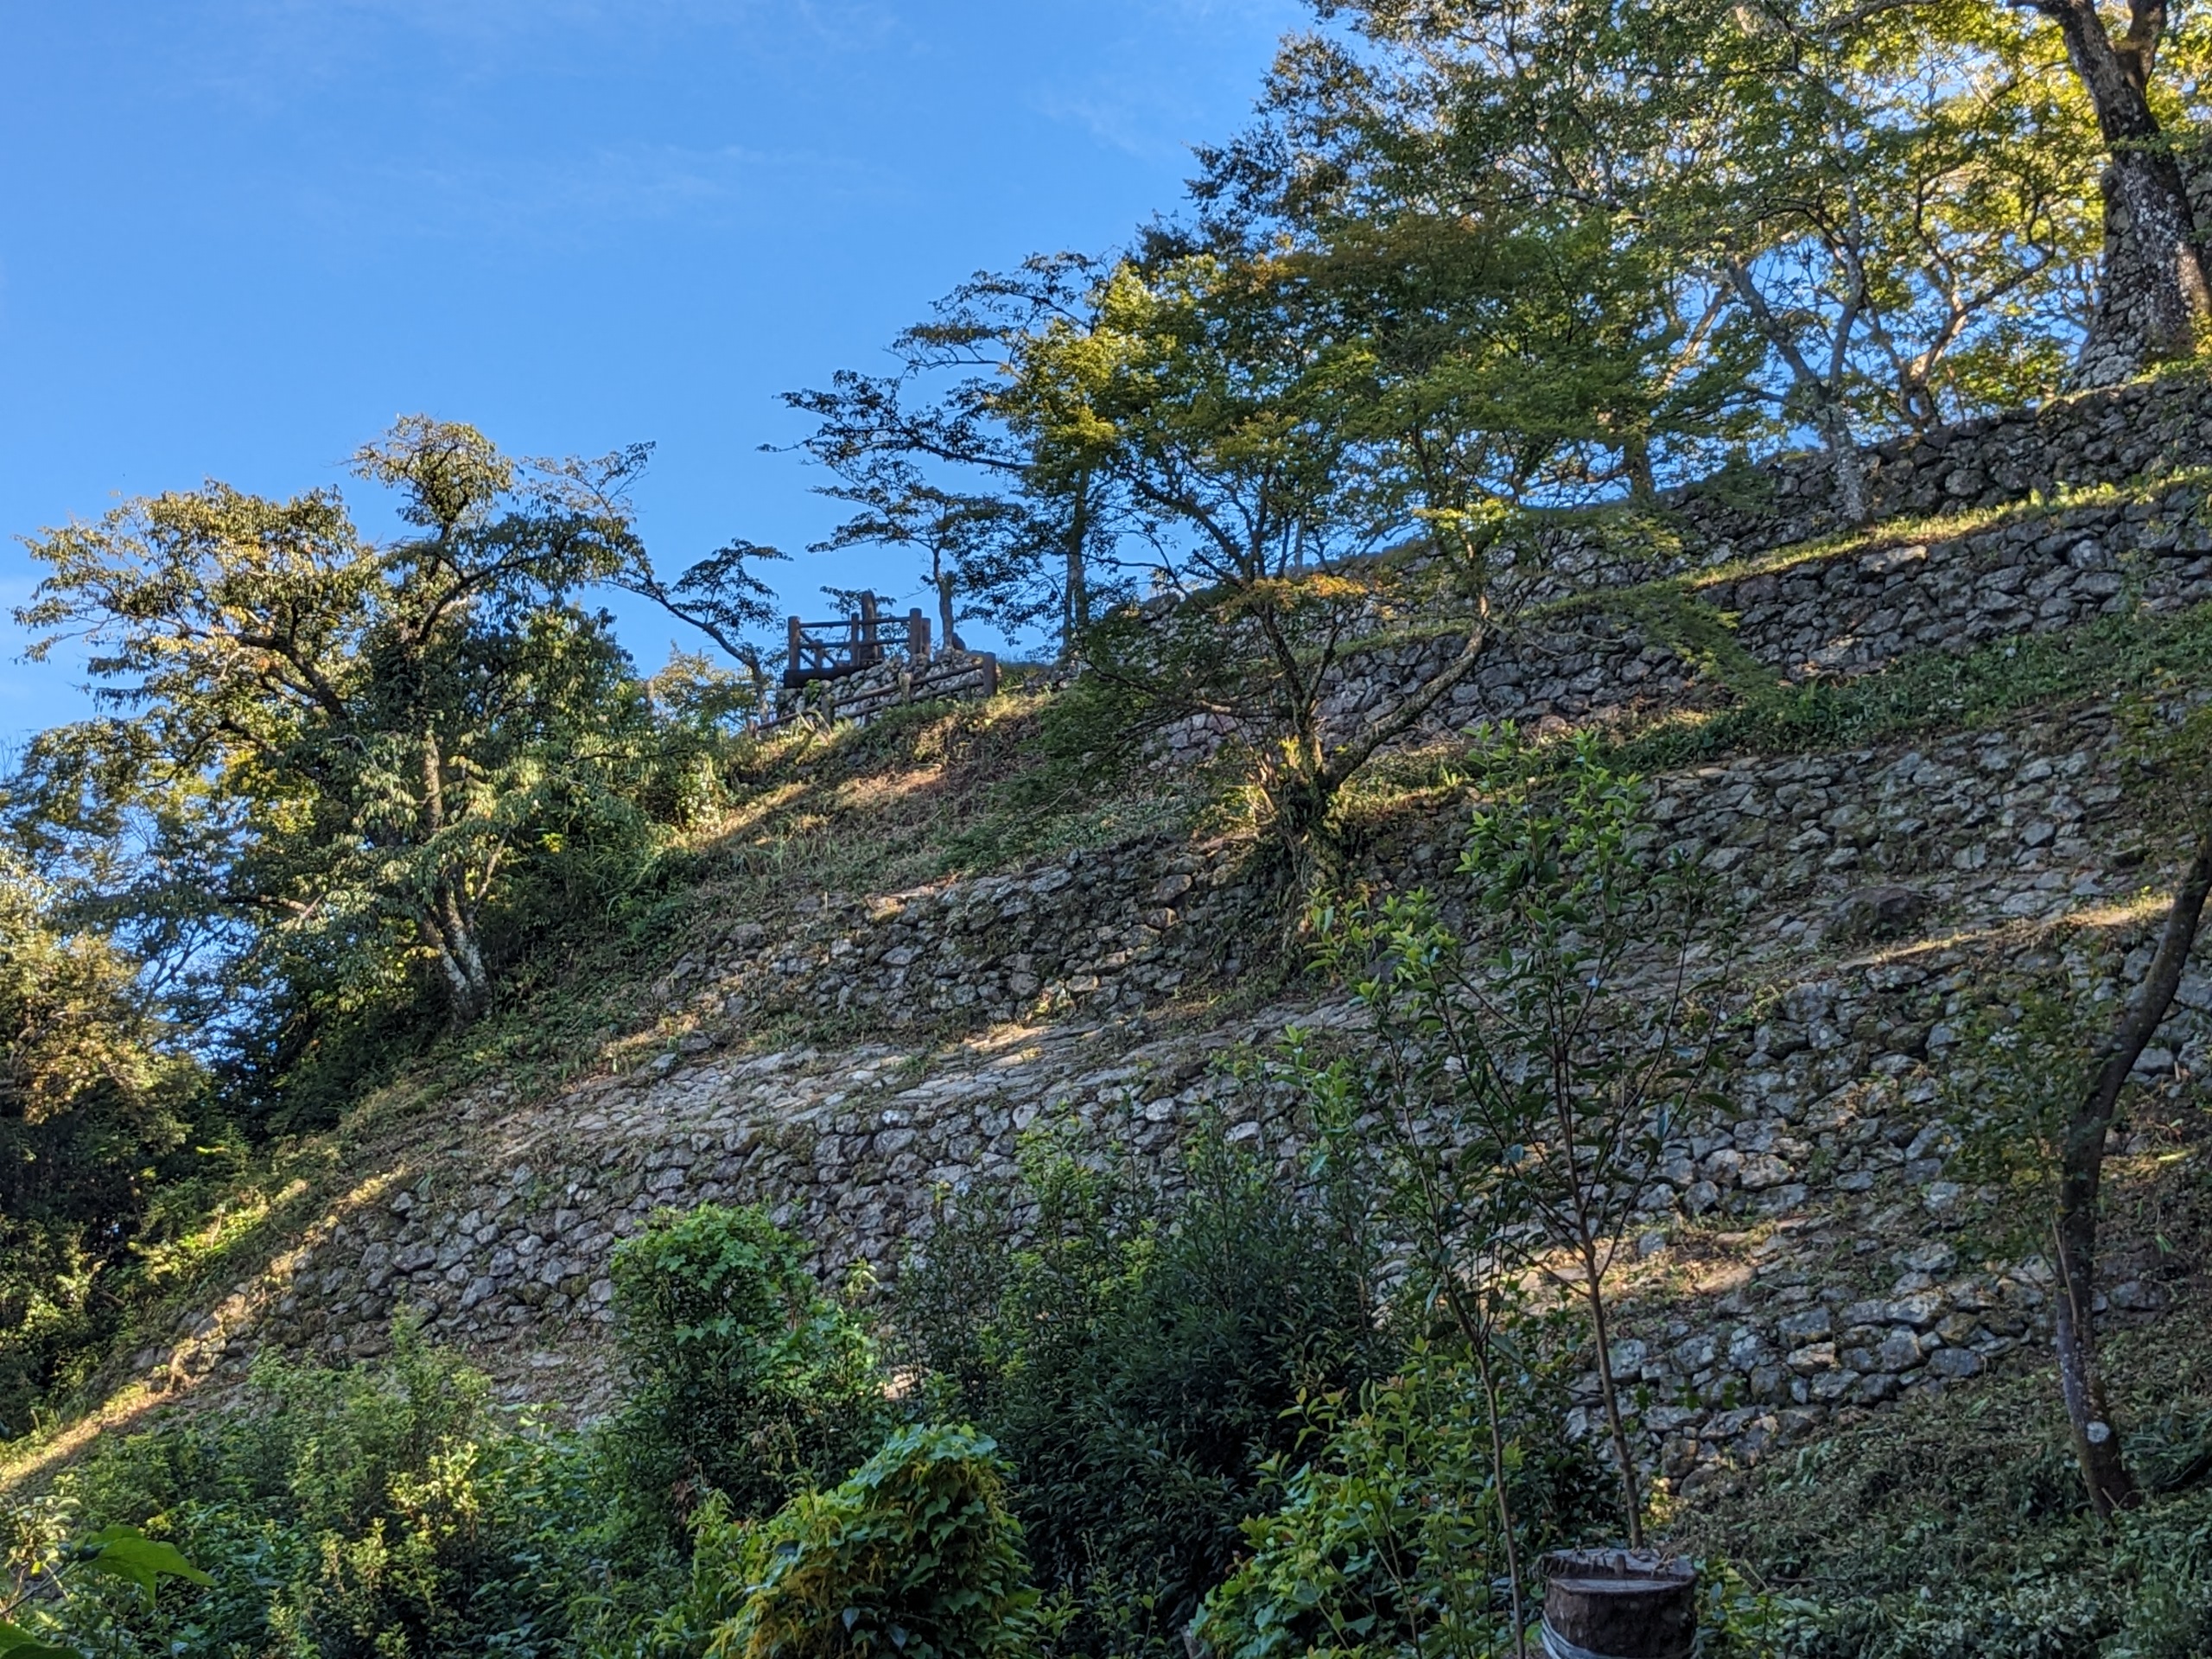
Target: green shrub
[(1386, 1540), (1135, 1362), (375, 1512), (915, 1555), (743, 1378)]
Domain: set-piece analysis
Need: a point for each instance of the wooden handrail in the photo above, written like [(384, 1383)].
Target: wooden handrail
[(843, 645)]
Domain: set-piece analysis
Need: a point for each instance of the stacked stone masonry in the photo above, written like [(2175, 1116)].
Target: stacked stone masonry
[(949, 675), (1861, 1295), (1813, 1238), (2098, 438), (1829, 615)]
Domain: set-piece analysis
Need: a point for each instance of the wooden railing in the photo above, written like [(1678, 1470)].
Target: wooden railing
[(831, 651)]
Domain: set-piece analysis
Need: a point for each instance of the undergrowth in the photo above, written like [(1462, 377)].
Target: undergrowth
[(1942, 690), (1955, 1526)]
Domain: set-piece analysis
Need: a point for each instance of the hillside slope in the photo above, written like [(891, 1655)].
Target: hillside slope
[(1910, 762)]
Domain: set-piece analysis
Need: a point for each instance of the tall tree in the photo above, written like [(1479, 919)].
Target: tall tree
[(92, 1100), (1893, 200), (317, 734), (1264, 447), (973, 554), (719, 595), (1878, 217), (2154, 298), (938, 423)]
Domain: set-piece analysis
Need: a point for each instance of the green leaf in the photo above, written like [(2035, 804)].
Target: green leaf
[(16, 1642), (126, 1553)]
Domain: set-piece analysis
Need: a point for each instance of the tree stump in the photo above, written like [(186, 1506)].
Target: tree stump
[(1618, 1604)]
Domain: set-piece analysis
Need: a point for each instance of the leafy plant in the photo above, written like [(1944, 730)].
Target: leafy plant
[(744, 1379), (121, 1552), (914, 1555), (1531, 1074), (1387, 1538), (1135, 1360), (382, 1510)]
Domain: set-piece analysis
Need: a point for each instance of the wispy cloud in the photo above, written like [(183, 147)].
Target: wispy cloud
[(272, 53), (1152, 86), (563, 201)]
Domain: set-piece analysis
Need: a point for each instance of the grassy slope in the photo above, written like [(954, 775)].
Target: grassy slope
[(932, 793)]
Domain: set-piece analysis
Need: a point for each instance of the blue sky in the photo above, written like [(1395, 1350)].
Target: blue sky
[(236, 236)]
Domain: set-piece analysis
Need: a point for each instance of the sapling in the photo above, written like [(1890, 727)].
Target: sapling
[(1452, 1199), (1573, 1032)]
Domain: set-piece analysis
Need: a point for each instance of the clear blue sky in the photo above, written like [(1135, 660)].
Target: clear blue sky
[(236, 236)]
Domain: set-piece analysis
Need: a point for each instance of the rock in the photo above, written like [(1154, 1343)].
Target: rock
[(1919, 1310), (1899, 1351), (1955, 1363), (1936, 1257), (1813, 1357), (1877, 913), (1761, 1170), (1814, 1325)]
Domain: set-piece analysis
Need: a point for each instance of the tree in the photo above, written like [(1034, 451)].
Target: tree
[(938, 426), (2153, 297), (719, 595), (1890, 200), (971, 546), (1437, 1179), (92, 1102), (1258, 469), (1554, 1053), (1496, 157), (2041, 1097), (1198, 396), (1869, 220), (320, 738)]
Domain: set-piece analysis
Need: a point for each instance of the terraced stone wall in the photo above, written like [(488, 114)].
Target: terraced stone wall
[(2094, 438), (1812, 1244), (1825, 616), (1865, 1291)]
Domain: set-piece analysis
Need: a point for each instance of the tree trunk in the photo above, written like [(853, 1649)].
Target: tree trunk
[(1609, 1391), (2153, 300), (1636, 460), (468, 987), (1850, 502), (1500, 1467), (944, 612), (1076, 621), (2096, 1444)]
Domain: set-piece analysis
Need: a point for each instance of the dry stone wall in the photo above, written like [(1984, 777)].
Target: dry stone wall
[(950, 674), (1828, 616), (1866, 1289), (1813, 1244), (1126, 929), (2101, 437)]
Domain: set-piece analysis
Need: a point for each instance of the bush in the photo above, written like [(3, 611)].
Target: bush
[(1386, 1541), (1135, 1362), (744, 1379), (374, 1512), (914, 1555)]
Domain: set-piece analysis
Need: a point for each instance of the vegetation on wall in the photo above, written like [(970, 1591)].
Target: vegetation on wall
[(1479, 274)]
